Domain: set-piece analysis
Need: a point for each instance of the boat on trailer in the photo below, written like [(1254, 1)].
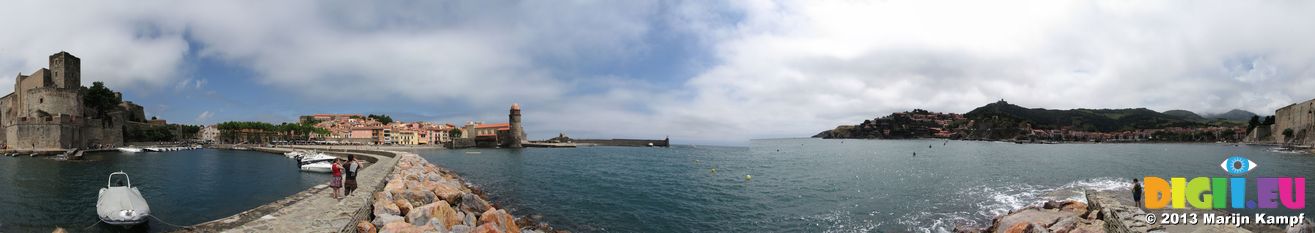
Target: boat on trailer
[(121, 205)]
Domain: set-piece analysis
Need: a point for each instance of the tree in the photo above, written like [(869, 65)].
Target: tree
[(454, 133), (1269, 120), (385, 119), (1251, 125), (102, 100)]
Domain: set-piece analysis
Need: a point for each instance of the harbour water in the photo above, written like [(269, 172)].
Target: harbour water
[(814, 185), (182, 187)]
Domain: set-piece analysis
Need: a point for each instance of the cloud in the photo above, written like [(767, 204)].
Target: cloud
[(793, 68), (761, 68), (204, 117)]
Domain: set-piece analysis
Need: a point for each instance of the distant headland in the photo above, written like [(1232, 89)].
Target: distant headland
[(1003, 121)]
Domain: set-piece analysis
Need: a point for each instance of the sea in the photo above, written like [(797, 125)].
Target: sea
[(826, 185), (182, 187)]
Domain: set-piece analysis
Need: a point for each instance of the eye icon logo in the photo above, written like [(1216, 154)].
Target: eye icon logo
[(1237, 165)]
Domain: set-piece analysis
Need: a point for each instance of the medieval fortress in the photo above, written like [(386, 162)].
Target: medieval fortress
[(46, 111)]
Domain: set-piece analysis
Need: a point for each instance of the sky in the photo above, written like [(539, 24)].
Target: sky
[(700, 72)]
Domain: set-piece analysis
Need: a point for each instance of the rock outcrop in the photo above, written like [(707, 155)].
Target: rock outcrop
[(1098, 214), (421, 197)]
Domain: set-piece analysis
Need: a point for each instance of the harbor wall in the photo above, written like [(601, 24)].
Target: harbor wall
[(624, 142)]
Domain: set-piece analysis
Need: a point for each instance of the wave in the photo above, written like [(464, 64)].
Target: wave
[(991, 201)]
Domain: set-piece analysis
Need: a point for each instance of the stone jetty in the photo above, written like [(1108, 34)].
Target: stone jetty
[(398, 192), (422, 197), (313, 210)]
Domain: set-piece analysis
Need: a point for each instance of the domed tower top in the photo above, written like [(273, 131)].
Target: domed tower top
[(515, 106)]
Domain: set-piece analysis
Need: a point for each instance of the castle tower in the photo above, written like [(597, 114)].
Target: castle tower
[(65, 70), (517, 134)]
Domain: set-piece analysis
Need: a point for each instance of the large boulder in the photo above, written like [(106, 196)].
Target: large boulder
[(385, 207), (403, 206), (500, 219), (473, 204), (365, 227), (461, 229), (399, 227), (485, 228), (383, 220), (447, 192), (383, 196), (1029, 216), (420, 215), (442, 213), (419, 197)]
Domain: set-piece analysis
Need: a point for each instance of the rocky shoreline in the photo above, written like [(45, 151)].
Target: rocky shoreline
[(1100, 212), (422, 197)]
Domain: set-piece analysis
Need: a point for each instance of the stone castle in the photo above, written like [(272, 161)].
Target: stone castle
[(1299, 118), (46, 111)]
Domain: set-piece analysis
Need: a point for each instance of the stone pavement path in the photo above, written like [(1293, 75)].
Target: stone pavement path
[(313, 210)]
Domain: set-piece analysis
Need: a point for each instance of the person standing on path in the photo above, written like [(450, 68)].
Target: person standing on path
[(336, 181), (353, 166), (1136, 192)]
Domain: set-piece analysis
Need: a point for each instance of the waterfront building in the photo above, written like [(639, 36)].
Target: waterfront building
[(332, 117), (46, 111), (208, 134)]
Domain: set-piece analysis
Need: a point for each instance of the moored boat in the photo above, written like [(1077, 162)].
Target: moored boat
[(321, 167), (121, 205), (129, 149)]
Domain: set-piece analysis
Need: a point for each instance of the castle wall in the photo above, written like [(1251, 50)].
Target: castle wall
[(38, 79), (41, 136), (53, 101), (1299, 117), (97, 132)]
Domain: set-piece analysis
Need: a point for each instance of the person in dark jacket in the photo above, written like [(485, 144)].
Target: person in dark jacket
[(1136, 192)]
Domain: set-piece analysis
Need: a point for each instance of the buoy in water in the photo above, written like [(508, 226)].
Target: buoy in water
[(748, 177), (714, 171)]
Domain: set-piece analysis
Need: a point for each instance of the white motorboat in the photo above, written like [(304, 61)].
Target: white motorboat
[(121, 205), (153, 149), (317, 157), (129, 149), (321, 167), (295, 154)]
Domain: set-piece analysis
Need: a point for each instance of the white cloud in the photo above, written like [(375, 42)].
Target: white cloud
[(779, 68), (794, 68), (204, 117)]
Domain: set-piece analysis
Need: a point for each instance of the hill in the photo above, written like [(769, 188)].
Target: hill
[(1100, 120), (1185, 115), (1232, 115)]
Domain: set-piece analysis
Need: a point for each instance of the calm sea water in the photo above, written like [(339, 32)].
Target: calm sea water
[(182, 187), (814, 185)]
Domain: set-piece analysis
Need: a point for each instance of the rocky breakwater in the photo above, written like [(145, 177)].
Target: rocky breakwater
[(422, 197), (1098, 213)]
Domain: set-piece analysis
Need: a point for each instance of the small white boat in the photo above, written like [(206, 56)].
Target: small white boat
[(121, 205), (295, 154), (153, 149), (317, 157), (129, 149), (321, 167)]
